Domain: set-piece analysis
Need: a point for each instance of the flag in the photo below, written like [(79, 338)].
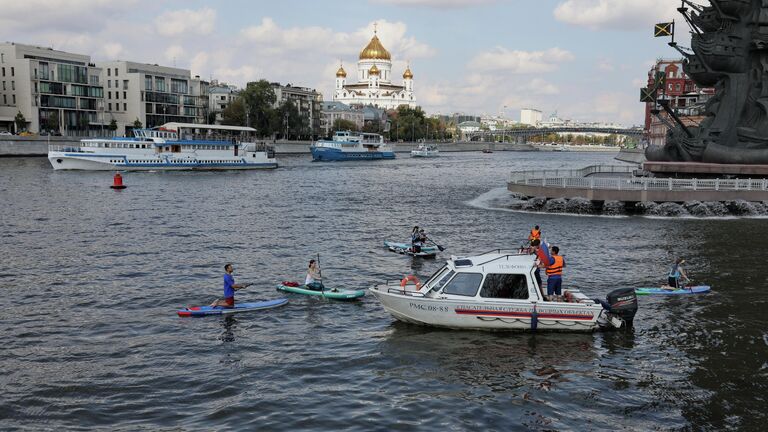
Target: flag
[(543, 253), (664, 29), (648, 94)]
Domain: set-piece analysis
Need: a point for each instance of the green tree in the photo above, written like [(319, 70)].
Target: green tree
[(84, 123), (234, 113), (343, 124), (112, 125), (21, 122), (259, 98), (292, 122), (52, 123), (407, 124), (137, 124)]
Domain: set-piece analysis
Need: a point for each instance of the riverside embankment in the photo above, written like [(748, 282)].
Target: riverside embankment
[(38, 146)]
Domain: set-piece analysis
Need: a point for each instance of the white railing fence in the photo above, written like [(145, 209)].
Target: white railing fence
[(585, 179)]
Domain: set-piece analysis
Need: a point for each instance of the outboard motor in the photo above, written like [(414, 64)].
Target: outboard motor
[(622, 302)]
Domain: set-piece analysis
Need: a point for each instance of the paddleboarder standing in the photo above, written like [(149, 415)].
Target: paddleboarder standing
[(229, 289)]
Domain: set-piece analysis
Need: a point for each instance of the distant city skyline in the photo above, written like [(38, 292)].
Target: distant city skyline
[(585, 59)]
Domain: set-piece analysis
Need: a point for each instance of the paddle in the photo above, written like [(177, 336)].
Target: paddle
[(320, 272), (440, 248)]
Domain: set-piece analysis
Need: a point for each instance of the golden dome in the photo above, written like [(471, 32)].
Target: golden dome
[(408, 74), (373, 70), (341, 73), (375, 51)]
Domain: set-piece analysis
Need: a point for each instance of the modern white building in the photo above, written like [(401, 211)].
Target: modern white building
[(529, 116), (152, 94), (54, 90), (374, 84), (220, 95)]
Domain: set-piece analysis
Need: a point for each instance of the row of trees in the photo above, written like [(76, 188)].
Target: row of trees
[(405, 123), (255, 107)]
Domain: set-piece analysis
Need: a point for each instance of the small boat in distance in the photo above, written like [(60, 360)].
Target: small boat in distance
[(425, 150), (487, 150), (173, 146), (347, 145)]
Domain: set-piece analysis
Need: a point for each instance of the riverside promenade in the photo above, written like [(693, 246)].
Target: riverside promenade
[(38, 146), (620, 183)]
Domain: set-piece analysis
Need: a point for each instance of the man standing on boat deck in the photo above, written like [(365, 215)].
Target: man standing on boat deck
[(535, 234), (229, 289), (554, 269)]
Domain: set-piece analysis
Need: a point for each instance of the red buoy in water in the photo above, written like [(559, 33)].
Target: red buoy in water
[(117, 182)]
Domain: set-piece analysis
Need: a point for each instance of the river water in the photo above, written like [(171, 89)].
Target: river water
[(91, 279)]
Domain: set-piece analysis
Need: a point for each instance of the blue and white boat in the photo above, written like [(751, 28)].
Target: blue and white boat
[(347, 145), (173, 146)]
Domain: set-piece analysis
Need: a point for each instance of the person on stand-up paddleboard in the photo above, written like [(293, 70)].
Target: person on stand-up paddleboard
[(229, 289), (314, 280), (676, 273), (416, 242), (554, 270)]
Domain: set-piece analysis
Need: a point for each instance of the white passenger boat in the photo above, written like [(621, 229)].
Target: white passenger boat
[(498, 291), (425, 150), (173, 146), (346, 146)]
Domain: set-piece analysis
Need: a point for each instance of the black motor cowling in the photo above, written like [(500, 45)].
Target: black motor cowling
[(623, 303)]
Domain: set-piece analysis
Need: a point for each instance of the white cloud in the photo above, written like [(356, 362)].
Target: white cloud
[(65, 16), (112, 50), (174, 52), (437, 4), (605, 65), (186, 21), (520, 62), (199, 63), (616, 14)]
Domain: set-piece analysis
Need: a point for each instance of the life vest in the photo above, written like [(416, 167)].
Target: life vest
[(556, 269), (535, 235), (674, 272)]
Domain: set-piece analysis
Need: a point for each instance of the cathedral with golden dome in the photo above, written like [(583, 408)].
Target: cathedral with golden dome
[(374, 84)]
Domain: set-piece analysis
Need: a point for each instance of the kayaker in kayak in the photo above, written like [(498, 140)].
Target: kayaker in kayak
[(676, 273), (229, 289), (314, 279)]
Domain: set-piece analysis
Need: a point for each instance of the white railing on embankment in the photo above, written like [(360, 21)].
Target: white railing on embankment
[(586, 179)]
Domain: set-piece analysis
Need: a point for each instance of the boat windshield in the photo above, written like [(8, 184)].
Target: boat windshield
[(442, 277)]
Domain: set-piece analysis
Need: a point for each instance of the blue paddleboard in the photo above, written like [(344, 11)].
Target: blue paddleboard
[(198, 311), (661, 291)]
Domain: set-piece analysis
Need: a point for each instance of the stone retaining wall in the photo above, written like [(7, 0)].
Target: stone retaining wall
[(38, 146)]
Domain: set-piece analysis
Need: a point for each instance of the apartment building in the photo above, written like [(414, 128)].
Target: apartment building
[(54, 90), (307, 101), (152, 95)]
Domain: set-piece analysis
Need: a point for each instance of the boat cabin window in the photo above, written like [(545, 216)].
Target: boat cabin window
[(464, 284), (505, 286), (439, 279)]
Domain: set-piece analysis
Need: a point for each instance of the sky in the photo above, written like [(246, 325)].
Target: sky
[(585, 59)]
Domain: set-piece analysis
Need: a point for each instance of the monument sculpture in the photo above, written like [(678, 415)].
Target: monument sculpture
[(729, 51)]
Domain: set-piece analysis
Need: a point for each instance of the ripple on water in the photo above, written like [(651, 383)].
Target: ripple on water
[(92, 281)]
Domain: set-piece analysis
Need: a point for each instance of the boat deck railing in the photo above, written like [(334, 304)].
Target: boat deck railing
[(615, 177)]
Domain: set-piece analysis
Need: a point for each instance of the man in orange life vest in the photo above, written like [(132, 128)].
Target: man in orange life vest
[(535, 234), (554, 271)]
